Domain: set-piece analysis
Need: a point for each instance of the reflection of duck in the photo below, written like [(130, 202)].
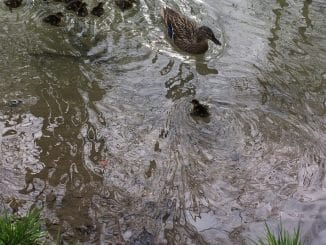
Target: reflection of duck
[(198, 109), (82, 11), (124, 4), (53, 19), (185, 34), (98, 10), (13, 3)]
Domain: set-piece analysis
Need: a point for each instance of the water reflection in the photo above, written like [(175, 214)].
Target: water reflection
[(69, 143)]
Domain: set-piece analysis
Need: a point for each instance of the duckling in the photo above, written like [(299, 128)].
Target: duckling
[(13, 3), (73, 5), (53, 19), (198, 109), (185, 33), (82, 11), (98, 10), (124, 4)]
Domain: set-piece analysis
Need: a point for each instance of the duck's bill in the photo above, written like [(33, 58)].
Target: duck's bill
[(217, 42)]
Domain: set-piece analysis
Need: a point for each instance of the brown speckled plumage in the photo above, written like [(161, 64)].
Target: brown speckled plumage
[(185, 33)]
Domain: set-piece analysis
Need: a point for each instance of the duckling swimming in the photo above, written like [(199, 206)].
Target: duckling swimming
[(74, 5), (185, 33), (13, 3), (98, 10), (82, 11), (198, 109), (53, 19), (124, 4)]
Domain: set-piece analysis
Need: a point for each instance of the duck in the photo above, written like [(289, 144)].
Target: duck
[(185, 33), (82, 10), (53, 19), (124, 4), (98, 10), (13, 3), (74, 5), (198, 109)]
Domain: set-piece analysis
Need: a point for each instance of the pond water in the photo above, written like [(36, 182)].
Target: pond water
[(103, 139)]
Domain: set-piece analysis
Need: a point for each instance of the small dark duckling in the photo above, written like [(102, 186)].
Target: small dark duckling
[(198, 109), (124, 4), (82, 11), (13, 3), (98, 10), (74, 5), (53, 19)]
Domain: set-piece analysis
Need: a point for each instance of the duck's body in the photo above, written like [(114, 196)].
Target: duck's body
[(199, 110), (98, 10), (124, 4), (82, 11), (185, 33), (13, 3), (53, 19)]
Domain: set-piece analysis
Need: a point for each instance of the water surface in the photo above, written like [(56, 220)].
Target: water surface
[(103, 139)]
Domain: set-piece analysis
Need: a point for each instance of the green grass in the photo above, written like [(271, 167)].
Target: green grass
[(21, 230), (282, 237)]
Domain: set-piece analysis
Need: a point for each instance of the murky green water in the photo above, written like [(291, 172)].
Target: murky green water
[(105, 143)]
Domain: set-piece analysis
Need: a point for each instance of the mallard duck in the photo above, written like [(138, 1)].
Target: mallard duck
[(185, 34), (53, 19), (98, 10), (198, 109), (82, 11), (124, 4), (74, 5), (13, 3)]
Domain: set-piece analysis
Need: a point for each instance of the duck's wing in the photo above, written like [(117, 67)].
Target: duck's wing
[(179, 26)]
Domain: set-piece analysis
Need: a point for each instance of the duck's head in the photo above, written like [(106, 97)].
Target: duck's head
[(204, 32)]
